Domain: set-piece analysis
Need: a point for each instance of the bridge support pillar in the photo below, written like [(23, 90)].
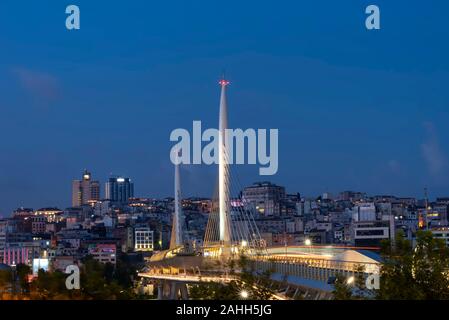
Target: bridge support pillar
[(160, 290), (163, 290), (184, 292), (173, 291), (178, 290)]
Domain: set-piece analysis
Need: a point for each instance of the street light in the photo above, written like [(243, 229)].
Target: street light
[(285, 244), (244, 294), (308, 243)]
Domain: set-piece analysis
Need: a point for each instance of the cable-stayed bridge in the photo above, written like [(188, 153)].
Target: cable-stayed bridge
[(232, 232)]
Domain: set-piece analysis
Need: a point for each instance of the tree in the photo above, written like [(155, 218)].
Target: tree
[(342, 290), (256, 285), (98, 281), (106, 281), (415, 273), (360, 291), (215, 291), (23, 270), (49, 285), (5, 279)]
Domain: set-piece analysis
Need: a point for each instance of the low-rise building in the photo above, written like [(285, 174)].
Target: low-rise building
[(143, 240), (443, 234), (103, 252)]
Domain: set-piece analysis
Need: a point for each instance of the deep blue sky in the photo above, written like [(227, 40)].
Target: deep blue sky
[(355, 109)]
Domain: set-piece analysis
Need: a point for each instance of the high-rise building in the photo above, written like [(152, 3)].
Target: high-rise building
[(119, 189), (85, 191)]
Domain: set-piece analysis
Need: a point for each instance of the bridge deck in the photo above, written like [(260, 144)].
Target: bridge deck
[(309, 267)]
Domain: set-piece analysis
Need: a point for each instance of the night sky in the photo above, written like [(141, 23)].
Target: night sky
[(355, 109)]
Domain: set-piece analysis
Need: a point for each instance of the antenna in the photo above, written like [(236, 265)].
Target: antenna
[(223, 82)]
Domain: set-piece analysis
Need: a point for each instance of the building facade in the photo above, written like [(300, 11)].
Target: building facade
[(103, 252), (143, 240), (119, 189), (264, 197)]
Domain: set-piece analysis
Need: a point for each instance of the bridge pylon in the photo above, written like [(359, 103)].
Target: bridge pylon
[(231, 229), (177, 239)]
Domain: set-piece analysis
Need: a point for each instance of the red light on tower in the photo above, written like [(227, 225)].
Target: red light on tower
[(223, 82)]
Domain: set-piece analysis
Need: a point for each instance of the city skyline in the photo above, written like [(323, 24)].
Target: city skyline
[(102, 185), (234, 158), (365, 115)]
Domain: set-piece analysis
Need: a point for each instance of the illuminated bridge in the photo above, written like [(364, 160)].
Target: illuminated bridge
[(231, 232), (305, 272)]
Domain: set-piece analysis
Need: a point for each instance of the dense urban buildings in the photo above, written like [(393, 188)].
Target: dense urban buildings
[(103, 228)]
